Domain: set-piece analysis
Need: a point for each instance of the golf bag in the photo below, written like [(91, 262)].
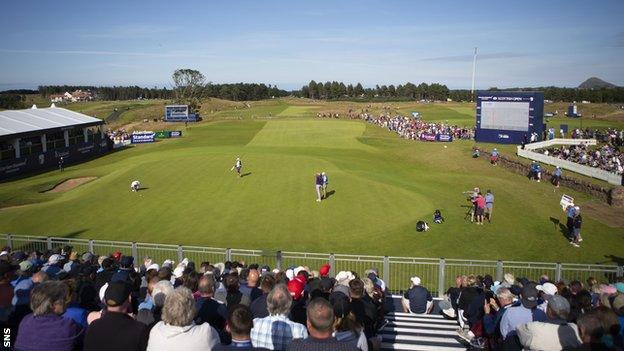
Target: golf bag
[(422, 226)]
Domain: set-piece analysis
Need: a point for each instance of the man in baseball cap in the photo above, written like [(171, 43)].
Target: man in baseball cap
[(115, 330), (524, 313)]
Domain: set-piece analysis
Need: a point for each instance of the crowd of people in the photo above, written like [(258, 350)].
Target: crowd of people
[(606, 157), (519, 314), (609, 136), (414, 128), (118, 136), (60, 300)]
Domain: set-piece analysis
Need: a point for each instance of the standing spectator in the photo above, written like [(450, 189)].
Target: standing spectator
[(320, 324), (577, 222), (44, 329), (570, 213), (494, 157), (176, 330), (555, 333), (364, 310), (489, 205), (276, 331), (556, 179), (417, 299), (116, 330), (239, 324), (480, 208), (234, 296)]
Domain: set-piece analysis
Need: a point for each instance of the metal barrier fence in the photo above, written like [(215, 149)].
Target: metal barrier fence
[(437, 274)]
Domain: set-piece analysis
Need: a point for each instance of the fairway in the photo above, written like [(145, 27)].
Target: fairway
[(382, 185)]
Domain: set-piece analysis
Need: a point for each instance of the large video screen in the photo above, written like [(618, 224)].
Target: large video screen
[(505, 115)]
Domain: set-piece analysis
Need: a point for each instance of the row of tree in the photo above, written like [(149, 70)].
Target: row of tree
[(237, 91), (339, 91), (435, 91)]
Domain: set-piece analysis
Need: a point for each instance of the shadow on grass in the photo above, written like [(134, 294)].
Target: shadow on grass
[(330, 193), (245, 174)]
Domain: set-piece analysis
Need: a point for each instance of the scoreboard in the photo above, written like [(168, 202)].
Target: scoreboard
[(507, 117), (178, 113)]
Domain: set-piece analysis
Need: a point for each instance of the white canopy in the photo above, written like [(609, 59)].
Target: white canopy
[(41, 119)]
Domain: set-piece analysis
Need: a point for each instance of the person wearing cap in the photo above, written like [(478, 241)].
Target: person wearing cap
[(176, 330), (320, 323), (296, 288), (378, 281), (325, 183), (494, 157), (126, 266), (417, 299), (576, 225), (547, 290), (523, 313), (276, 331), (556, 179), (318, 181), (44, 328), (553, 334), (116, 330), (54, 265), (23, 284)]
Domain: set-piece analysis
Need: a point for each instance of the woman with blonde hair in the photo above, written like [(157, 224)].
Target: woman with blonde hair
[(177, 330)]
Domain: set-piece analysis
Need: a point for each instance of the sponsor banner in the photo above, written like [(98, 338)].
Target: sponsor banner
[(142, 137), (427, 137), (445, 137), (175, 133), (162, 134)]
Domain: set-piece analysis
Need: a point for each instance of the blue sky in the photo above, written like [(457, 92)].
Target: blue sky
[(521, 43)]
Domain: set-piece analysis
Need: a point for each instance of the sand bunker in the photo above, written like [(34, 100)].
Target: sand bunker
[(69, 184)]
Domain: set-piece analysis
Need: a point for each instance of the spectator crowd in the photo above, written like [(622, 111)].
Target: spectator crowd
[(606, 157), (519, 314), (413, 128), (60, 300)]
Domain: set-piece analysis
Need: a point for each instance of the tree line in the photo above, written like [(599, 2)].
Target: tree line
[(237, 91), (439, 92)]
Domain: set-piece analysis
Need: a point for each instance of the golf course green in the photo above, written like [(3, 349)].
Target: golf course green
[(380, 186)]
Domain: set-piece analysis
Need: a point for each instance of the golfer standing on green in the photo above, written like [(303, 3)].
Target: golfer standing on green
[(238, 165)]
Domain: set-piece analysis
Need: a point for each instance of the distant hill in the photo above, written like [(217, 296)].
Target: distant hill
[(596, 83)]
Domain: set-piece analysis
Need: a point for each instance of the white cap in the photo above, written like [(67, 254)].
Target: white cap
[(55, 259), (547, 288), (152, 266), (415, 280)]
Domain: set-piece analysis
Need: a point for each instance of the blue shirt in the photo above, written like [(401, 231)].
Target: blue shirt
[(418, 297), (558, 172), (489, 200), (21, 293), (517, 316), (570, 212)]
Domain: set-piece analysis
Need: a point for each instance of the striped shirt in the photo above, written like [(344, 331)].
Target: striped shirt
[(276, 332)]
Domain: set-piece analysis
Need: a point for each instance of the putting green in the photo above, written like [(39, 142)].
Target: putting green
[(381, 186)]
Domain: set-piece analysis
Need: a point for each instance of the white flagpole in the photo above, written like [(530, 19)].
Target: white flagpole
[(474, 68)]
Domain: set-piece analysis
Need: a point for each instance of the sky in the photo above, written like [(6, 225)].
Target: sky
[(289, 43)]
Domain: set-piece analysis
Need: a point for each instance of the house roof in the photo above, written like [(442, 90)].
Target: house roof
[(14, 123)]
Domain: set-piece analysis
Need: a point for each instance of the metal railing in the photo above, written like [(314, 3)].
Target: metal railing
[(437, 274)]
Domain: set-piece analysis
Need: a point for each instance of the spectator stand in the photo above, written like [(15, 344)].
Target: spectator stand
[(530, 153)]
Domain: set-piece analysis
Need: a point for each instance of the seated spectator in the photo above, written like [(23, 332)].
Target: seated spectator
[(553, 334), (320, 322), (523, 313), (364, 310), (44, 328), (259, 305), (210, 310), (249, 282), (159, 293), (494, 309), (116, 330), (239, 324), (176, 330), (7, 273), (234, 296), (346, 328), (417, 299), (74, 311), (276, 331)]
